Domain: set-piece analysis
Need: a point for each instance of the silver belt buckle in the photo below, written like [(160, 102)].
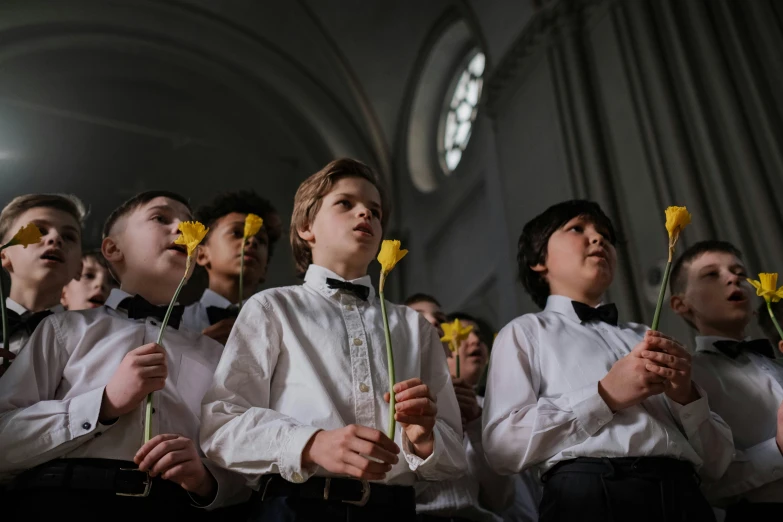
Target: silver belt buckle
[(365, 495), (147, 484)]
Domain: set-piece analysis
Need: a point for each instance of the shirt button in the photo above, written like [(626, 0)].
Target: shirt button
[(349, 307), (86, 426), (357, 342), (297, 478), (364, 388)]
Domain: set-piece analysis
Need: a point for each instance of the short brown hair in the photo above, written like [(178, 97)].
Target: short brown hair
[(310, 194), (67, 203), (137, 201)]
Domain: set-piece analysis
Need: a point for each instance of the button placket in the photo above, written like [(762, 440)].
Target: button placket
[(364, 401)]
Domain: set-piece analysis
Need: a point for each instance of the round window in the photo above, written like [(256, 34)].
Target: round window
[(459, 114)]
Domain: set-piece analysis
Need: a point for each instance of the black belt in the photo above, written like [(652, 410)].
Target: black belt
[(435, 518), (348, 491), (654, 468), (115, 476)]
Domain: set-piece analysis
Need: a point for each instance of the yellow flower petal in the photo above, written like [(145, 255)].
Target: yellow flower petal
[(454, 333), (766, 287), (192, 232), (676, 219), (390, 255), (253, 224), (27, 235)]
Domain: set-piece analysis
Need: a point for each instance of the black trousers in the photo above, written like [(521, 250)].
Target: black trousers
[(283, 501), (752, 511), (54, 491), (624, 489)]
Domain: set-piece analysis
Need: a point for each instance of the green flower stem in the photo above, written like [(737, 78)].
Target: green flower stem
[(241, 273), (6, 361), (774, 321), (390, 364), (662, 294), (148, 403)]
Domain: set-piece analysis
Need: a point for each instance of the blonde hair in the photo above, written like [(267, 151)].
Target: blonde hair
[(67, 203), (310, 194)]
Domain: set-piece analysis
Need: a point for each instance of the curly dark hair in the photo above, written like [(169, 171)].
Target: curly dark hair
[(242, 202), (532, 246)]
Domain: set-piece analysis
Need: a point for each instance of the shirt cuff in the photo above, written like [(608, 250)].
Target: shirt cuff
[(693, 414), (83, 413), (592, 413), (418, 464), (290, 463)]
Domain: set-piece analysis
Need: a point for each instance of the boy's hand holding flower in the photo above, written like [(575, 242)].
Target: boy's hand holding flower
[(416, 411), (175, 458), (142, 371), (670, 360)]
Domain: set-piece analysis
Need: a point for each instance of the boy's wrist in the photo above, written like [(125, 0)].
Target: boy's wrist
[(607, 398), (207, 488)]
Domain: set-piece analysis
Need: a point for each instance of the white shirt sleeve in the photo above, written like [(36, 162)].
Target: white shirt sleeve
[(515, 418), (751, 469), (448, 457), (707, 433), (34, 427), (238, 430)]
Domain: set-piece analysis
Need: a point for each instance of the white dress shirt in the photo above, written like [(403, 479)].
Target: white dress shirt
[(478, 495), (542, 402), (746, 392), (50, 397), (195, 316), (20, 337), (305, 358)]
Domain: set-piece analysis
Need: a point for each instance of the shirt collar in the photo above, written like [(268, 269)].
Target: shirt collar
[(212, 298), (316, 277), (562, 305), (706, 343), (21, 310), (115, 298)]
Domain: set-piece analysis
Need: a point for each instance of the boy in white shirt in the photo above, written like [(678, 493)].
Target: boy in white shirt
[(744, 382), (298, 404), (39, 272), (481, 495), (606, 412), (214, 314), (72, 404), (93, 287)]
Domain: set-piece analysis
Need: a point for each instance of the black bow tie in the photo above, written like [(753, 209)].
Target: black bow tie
[(140, 308), (732, 349), (606, 313), (217, 314), (27, 322), (360, 291)]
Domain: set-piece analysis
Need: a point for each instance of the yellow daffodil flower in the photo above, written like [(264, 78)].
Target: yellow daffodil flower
[(388, 257), (390, 254), (253, 224), (766, 287), (192, 233), (677, 218), (454, 333), (27, 235)]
